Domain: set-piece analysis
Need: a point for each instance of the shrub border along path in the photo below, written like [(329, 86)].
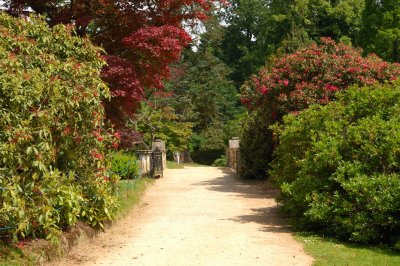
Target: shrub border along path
[(37, 251)]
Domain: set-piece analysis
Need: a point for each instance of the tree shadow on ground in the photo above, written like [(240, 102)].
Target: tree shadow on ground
[(231, 183), (267, 217)]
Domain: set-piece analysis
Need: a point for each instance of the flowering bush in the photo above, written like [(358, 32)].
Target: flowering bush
[(311, 75), (314, 75), (338, 165), (52, 141)]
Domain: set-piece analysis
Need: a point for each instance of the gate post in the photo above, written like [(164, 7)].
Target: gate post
[(145, 161), (232, 154), (157, 167), (160, 145)]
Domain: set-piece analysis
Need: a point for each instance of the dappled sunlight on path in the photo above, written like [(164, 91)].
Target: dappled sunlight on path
[(198, 216)]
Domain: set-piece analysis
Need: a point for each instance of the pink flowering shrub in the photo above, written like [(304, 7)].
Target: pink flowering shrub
[(313, 75)]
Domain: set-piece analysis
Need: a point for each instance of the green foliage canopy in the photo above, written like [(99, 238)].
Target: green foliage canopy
[(158, 118), (380, 32)]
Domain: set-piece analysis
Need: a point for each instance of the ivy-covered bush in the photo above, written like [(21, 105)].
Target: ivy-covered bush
[(294, 81), (52, 142), (125, 165), (339, 165)]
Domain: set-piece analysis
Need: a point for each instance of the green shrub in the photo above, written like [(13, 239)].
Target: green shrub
[(207, 146), (255, 147), (220, 162), (52, 142), (125, 165), (339, 165)]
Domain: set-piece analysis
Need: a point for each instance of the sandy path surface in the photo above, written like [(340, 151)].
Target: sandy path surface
[(197, 216)]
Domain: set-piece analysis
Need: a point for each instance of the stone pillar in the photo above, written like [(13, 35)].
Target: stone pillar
[(144, 161), (160, 145), (232, 153)]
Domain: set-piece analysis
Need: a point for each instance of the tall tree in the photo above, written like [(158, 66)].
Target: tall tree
[(380, 32), (157, 118), (244, 46), (203, 79), (256, 29)]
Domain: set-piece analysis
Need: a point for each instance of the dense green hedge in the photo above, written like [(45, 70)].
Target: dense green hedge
[(339, 165), (53, 170)]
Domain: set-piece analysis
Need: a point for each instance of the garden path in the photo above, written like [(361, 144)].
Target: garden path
[(197, 216)]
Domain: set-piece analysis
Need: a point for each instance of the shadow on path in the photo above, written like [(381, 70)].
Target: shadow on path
[(267, 217), (230, 182)]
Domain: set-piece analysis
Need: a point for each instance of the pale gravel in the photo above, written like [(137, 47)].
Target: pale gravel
[(197, 216)]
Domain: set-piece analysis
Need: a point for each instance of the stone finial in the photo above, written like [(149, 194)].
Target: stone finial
[(158, 143)]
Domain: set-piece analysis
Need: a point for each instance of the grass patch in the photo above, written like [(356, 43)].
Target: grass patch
[(130, 193), (329, 251), (174, 165)]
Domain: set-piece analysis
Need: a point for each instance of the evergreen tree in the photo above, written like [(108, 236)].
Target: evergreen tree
[(380, 31)]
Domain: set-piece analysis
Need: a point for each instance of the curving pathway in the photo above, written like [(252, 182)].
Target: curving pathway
[(197, 216)]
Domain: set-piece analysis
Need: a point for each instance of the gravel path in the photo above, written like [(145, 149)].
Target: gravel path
[(197, 216)]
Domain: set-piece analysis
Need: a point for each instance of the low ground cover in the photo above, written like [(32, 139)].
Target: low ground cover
[(130, 192), (329, 251), (174, 165)]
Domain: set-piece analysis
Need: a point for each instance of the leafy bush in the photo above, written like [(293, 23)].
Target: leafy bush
[(52, 142), (255, 147), (208, 146), (220, 162), (294, 81), (125, 165), (339, 165)]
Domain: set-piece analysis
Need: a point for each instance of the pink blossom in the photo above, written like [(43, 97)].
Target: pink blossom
[(264, 89)]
